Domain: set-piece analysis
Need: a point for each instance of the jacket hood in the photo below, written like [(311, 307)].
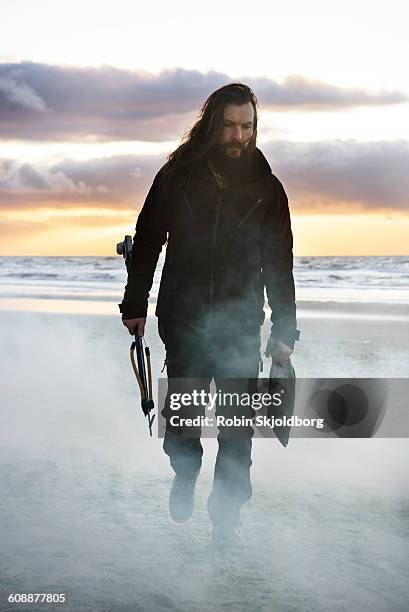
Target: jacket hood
[(261, 164)]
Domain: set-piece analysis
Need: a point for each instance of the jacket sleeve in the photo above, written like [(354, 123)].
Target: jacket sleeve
[(277, 268), (150, 236)]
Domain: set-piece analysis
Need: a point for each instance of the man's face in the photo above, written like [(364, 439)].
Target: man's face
[(237, 129)]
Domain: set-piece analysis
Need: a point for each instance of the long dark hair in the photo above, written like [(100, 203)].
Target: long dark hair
[(204, 135)]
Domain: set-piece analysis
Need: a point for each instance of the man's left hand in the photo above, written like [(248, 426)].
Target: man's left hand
[(278, 351)]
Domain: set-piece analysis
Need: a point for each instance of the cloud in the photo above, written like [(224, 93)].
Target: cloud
[(351, 174), (317, 176), (19, 229), (20, 94), (122, 180), (55, 103), (298, 93)]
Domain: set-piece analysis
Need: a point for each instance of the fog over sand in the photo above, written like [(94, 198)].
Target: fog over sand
[(84, 503)]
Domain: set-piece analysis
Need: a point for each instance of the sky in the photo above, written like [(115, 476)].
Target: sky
[(95, 95)]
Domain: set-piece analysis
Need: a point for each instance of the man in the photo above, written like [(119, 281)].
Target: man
[(226, 222)]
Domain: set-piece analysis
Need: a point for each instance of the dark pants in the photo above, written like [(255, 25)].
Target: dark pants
[(197, 356)]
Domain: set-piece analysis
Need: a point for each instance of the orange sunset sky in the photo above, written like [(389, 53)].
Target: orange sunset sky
[(93, 98)]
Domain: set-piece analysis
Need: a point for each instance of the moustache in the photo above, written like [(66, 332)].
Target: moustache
[(239, 145)]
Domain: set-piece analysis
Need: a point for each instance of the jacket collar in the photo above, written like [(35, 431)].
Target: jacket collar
[(207, 170)]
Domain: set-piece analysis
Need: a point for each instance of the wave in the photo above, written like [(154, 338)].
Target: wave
[(382, 276)]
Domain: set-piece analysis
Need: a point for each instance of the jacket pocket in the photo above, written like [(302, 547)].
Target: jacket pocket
[(250, 212)]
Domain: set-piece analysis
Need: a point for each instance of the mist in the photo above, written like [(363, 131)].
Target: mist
[(84, 505)]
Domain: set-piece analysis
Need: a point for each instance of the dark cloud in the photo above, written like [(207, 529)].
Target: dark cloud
[(370, 175), (317, 176), (120, 181), (298, 93), (54, 103)]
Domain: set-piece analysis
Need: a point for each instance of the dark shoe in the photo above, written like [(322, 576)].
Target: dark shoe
[(226, 537), (182, 497)]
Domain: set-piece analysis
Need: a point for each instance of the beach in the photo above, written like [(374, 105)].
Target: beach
[(84, 507)]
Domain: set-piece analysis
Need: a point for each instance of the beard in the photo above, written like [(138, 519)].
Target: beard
[(230, 165)]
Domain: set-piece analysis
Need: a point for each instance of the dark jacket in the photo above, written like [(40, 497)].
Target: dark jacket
[(226, 241)]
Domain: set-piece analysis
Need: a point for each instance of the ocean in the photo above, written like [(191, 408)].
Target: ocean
[(382, 279)]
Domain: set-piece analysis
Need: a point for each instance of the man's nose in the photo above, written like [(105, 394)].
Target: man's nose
[(238, 134)]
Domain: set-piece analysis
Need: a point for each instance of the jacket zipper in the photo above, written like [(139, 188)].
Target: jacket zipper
[(189, 205), (212, 259)]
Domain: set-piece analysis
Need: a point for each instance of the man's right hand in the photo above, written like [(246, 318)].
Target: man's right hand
[(135, 326)]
